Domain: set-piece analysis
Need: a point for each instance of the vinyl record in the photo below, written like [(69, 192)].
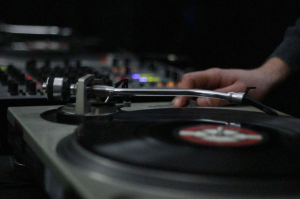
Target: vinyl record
[(197, 141)]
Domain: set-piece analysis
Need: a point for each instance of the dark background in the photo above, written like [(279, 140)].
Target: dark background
[(215, 33)]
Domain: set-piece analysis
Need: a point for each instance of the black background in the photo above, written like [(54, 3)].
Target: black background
[(216, 33)]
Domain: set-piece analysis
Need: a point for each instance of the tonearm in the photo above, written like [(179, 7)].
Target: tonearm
[(60, 89)]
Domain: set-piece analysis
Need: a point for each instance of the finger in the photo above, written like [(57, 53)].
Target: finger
[(179, 101), (188, 81), (204, 101), (208, 79)]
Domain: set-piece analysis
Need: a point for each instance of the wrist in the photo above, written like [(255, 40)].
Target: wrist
[(275, 71)]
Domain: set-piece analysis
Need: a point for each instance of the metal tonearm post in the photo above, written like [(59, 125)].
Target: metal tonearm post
[(58, 88)]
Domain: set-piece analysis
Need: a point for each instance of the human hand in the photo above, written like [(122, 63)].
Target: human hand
[(234, 80)]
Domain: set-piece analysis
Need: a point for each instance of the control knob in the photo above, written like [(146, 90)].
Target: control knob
[(13, 87), (4, 79), (31, 88)]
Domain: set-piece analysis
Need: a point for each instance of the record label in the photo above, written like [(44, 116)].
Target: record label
[(220, 135)]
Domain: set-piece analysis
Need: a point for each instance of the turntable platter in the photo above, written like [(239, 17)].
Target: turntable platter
[(185, 146), (151, 138)]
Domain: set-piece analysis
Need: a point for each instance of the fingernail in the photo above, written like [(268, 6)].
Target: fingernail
[(176, 102), (203, 101), (208, 101)]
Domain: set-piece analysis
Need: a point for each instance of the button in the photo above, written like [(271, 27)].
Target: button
[(9, 83), (4, 79), (10, 68), (27, 84), (31, 88), (13, 88)]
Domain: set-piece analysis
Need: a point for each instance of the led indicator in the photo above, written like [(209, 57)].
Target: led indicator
[(114, 69), (27, 76), (150, 79), (3, 68), (122, 69), (170, 84), (135, 76), (157, 79), (118, 78), (143, 79), (147, 75), (159, 84)]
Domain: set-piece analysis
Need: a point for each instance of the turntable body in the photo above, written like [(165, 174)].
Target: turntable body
[(61, 179), (65, 179)]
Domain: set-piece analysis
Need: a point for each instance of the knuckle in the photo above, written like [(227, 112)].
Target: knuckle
[(215, 102), (221, 102), (186, 76), (215, 70)]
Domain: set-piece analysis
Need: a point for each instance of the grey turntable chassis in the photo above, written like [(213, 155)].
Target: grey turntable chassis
[(43, 136)]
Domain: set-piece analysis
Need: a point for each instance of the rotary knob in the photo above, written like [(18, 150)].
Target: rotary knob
[(31, 88), (13, 87), (57, 88), (4, 79)]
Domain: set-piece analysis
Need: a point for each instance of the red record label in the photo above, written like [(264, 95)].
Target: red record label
[(220, 135)]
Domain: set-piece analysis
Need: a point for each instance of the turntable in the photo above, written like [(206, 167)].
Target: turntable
[(103, 146)]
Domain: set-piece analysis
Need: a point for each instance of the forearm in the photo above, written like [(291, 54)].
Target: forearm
[(275, 70)]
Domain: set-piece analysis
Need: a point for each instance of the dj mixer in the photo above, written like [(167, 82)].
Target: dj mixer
[(21, 76)]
